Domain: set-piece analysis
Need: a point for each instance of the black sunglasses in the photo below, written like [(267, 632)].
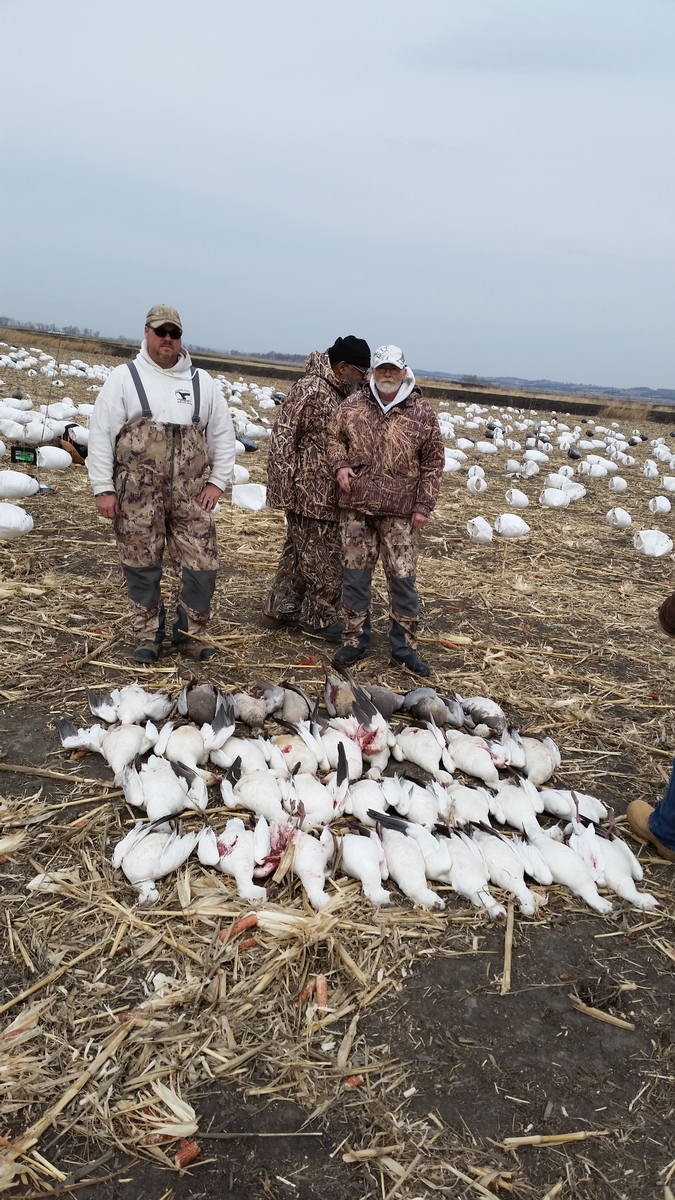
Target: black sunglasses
[(168, 331)]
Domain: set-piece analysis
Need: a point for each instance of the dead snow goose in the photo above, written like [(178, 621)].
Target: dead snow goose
[(505, 869), (472, 756), (542, 758), (406, 866), (163, 789), (363, 858), (261, 793), (237, 851), (129, 705), (150, 852), (567, 868)]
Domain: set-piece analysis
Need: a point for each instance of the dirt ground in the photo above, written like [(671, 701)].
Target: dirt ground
[(560, 629)]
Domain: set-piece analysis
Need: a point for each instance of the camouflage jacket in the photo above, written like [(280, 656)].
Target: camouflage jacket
[(298, 475), (398, 457)]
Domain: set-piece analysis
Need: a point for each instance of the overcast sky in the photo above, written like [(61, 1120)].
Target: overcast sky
[(488, 183)]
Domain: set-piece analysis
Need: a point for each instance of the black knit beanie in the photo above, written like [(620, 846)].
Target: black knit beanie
[(352, 350)]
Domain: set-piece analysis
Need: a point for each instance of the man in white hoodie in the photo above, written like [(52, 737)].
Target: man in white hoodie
[(158, 424)]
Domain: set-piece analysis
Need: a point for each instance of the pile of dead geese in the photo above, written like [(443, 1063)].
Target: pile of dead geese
[(316, 797)]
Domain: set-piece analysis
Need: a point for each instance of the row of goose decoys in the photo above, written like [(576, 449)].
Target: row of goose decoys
[(322, 792)]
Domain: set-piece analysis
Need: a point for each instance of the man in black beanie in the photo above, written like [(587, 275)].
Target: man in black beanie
[(305, 592)]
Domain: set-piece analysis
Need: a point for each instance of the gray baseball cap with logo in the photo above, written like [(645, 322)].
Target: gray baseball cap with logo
[(160, 313)]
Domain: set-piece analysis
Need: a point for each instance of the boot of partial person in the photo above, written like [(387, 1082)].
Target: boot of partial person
[(405, 654), (191, 647), (350, 652), (638, 813), (666, 615), (148, 640)]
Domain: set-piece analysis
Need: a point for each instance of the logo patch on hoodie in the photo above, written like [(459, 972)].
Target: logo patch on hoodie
[(183, 396)]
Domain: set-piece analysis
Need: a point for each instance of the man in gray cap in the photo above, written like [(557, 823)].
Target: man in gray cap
[(386, 451), (161, 451), (305, 592)]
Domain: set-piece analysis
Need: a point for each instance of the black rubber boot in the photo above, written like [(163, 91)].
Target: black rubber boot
[(346, 656), (402, 654), (291, 624), (329, 633), (148, 651), (188, 646)]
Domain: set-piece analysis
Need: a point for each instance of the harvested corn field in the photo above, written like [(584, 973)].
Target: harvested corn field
[(130, 1036)]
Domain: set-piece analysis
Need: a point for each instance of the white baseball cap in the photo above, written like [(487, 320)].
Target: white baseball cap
[(389, 354)]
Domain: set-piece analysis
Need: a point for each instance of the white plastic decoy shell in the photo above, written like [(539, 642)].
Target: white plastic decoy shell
[(14, 485), (516, 499), (251, 496), (510, 525), (554, 498), (652, 542), (479, 530), (15, 521), (660, 504), (618, 518), (53, 458)]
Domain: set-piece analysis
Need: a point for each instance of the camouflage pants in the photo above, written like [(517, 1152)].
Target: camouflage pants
[(309, 576), (159, 474), (364, 540)]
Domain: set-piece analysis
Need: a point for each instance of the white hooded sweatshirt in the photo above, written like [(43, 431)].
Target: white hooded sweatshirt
[(169, 393)]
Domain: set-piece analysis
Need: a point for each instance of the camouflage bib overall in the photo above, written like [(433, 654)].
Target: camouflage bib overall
[(159, 473)]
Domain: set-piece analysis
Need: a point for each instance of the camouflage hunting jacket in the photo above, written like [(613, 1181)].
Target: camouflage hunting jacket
[(398, 457), (298, 474)]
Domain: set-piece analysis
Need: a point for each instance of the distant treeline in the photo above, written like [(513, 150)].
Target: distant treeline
[(666, 395), (272, 355), (69, 330)]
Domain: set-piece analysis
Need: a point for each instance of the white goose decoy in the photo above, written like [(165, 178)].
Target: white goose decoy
[(541, 759), (567, 868), (505, 868), (310, 862), (363, 858), (472, 756), (237, 851), (163, 789), (119, 746), (129, 705), (261, 793), (148, 853), (406, 866)]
